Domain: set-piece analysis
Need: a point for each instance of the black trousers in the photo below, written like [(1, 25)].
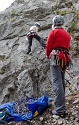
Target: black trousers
[(37, 37)]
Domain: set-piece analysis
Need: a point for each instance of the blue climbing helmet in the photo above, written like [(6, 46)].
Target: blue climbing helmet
[(58, 20), (37, 24)]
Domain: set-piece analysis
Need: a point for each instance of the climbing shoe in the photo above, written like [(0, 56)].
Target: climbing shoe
[(60, 114), (28, 51)]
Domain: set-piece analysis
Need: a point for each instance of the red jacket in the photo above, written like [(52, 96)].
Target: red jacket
[(57, 38)]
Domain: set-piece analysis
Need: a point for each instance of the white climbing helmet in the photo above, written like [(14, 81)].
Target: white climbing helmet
[(58, 20), (37, 24)]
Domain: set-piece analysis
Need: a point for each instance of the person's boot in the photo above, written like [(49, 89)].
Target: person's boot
[(28, 51), (61, 114)]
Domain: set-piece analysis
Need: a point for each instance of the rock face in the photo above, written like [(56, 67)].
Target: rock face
[(23, 75)]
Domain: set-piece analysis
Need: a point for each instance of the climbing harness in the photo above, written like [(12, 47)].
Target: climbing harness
[(31, 34), (60, 56)]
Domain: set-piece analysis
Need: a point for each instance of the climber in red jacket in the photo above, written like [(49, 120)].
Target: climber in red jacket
[(57, 49), (57, 37)]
